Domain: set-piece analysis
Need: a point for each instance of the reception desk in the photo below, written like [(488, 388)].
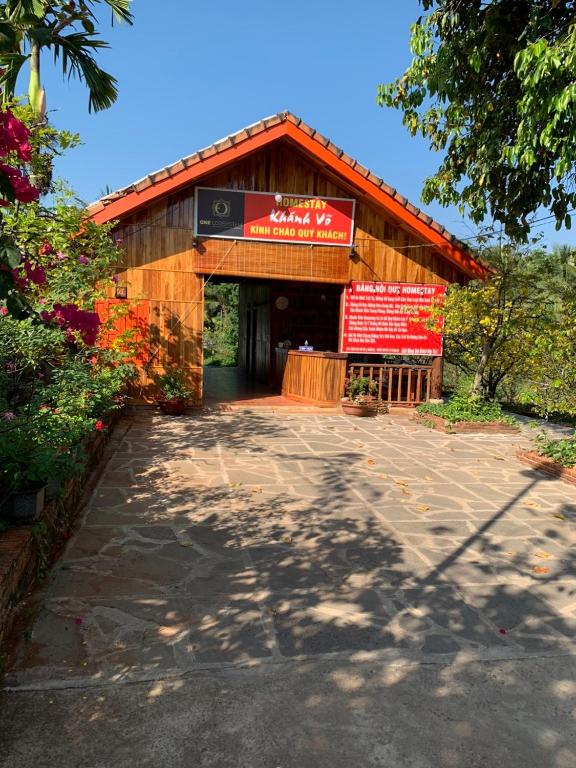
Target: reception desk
[(312, 377)]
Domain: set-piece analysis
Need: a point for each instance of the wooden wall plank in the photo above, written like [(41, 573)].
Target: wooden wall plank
[(163, 264)]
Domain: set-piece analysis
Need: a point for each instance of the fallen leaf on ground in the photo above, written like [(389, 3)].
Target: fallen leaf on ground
[(560, 516), (427, 477), (422, 507), (371, 462), (530, 504), (256, 490), (540, 569), (400, 482), (542, 554), (185, 543), (499, 458), (512, 553)]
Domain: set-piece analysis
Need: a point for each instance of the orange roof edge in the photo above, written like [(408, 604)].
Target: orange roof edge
[(285, 125)]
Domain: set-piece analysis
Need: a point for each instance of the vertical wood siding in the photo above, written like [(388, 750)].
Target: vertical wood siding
[(163, 264)]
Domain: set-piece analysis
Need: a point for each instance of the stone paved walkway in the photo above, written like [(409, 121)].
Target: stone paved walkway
[(254, 537)]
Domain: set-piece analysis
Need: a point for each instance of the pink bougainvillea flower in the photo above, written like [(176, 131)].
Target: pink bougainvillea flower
[(14, 136), (503, 631), (23, 190), (82, 259), (71, 318), (20, 279), (8, 416), (99, 426), (61, 256), (78, 621), (36, 275), (46, 249), (3, 311)]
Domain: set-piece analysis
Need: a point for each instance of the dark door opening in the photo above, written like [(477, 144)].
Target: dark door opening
[(240, 363)]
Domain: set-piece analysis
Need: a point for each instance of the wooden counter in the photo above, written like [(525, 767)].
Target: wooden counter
[(313, 377)]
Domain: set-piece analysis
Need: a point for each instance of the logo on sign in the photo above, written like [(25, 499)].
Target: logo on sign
[(221, 208)]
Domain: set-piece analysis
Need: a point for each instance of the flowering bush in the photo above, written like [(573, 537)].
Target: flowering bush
[(56, 385)]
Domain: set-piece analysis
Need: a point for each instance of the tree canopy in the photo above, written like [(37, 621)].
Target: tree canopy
[(493, 85)]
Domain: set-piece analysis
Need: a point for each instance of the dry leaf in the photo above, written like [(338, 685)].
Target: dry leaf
[(540, 569), (185, 543), (422, 507), (427, 477), (400, 482), (499, 458), (542, 554), (371, 462), (560, 516), (530, 504), (512, 553)]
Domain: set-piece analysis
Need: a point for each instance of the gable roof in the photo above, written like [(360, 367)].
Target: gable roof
[(285, 125)]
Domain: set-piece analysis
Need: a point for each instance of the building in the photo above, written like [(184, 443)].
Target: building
[(325, 224)]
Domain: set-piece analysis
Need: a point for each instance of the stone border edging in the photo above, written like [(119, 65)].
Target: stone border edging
[(548, 466), (465, 427)]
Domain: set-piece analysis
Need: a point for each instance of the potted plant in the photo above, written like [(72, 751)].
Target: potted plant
[(175, 392), (25, 470), (359, 397)]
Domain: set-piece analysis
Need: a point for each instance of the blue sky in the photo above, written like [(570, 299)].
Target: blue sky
[(193, 71)]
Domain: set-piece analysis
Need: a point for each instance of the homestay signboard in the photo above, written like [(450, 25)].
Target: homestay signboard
[(390, 319), (240, 215)]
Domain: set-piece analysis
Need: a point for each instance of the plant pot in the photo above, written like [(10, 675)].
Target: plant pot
[(359, 409), (26, 505), (172, 407)]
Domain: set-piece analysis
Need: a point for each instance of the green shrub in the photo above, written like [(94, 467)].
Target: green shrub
[(359, 388), (561, 450), (174, 385), (464, 406)]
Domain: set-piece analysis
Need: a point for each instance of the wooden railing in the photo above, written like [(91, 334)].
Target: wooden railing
[(397, 384)]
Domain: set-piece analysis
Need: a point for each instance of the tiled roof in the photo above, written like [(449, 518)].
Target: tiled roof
[(98, 209)]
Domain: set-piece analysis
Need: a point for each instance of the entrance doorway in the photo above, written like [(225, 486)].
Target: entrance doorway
[(247, 321)]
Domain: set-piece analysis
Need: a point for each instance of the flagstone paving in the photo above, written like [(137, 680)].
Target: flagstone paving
[(255, 537)]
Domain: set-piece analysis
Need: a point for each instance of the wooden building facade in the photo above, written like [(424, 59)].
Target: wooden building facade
[(165, 265)]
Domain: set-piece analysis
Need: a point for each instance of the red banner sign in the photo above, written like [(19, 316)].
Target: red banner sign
[(390, 319), (240, 215)]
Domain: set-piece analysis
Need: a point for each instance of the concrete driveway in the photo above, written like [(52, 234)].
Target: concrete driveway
[(270, 589)]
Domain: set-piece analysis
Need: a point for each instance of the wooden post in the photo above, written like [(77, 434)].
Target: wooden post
[(436, 375)]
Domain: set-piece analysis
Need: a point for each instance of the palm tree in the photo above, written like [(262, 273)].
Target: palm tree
[(68, 29)]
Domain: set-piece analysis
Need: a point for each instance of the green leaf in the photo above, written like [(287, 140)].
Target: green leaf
[(10, 255)]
